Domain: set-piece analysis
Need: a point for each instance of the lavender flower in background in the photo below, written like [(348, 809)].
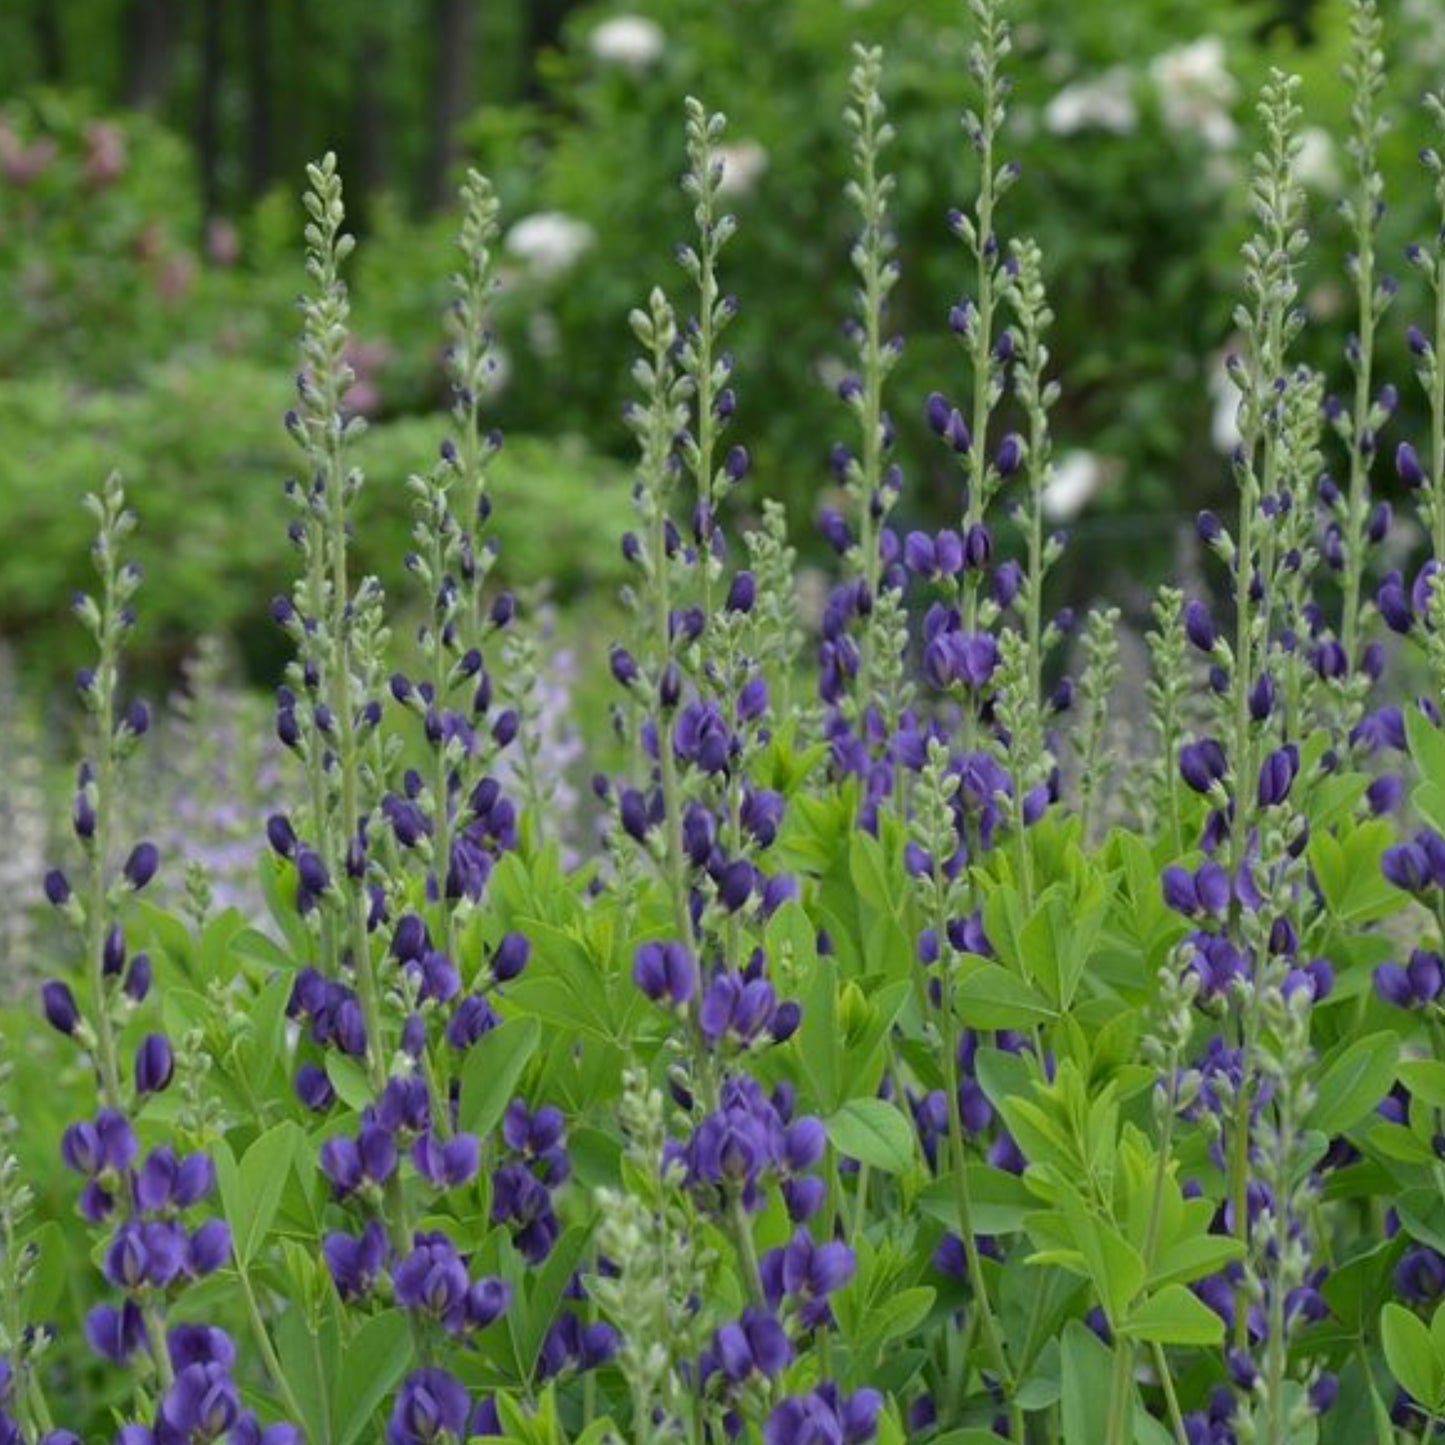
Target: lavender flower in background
[(23, 818), (214, 773)]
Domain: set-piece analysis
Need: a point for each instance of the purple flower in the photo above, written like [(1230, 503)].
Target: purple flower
[(511, 957), (432, 1279), (116, 1333), (1202, 764), (349, 1163), (733, 1006), (155, 1064), (665, 972), (1277, 774), (824, 1418), (141, 866), (1199, 625), (1407, 866), (755, 1342), (106, 1144), (313, 1088), (473, 1017), (447, 1163), (1408, 466), (209, 1248), (201, 1405), (355, 1261), (60, 1007)]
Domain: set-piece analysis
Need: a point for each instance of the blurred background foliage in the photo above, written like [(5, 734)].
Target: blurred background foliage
[(151, 152)]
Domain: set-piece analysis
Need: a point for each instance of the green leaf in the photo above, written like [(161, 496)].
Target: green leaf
[(530, 1318), (1354, 1083), (1427, 746), (1410, 1354), (349, 1080), (873, 1132), (254, 1193), (999, 1200), (895, 1316), (990, 997), (50, 1272), (818, 1035), (1087, 1376), (868, 868), (493, 1066), (1425, 1079), (374, 1359), (1174, 1316)]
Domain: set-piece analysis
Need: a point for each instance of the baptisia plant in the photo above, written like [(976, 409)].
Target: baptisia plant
[(901, 1063)]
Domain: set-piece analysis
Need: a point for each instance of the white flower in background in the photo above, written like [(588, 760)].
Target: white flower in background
[(1315, 166), (1196, 90), (543, 334), (549, 242), (743, 163), (1075, 479), (1224, 419), (632, 42), (1102, 102)]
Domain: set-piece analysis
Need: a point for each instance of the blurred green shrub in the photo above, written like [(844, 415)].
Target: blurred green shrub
[(203, 450)]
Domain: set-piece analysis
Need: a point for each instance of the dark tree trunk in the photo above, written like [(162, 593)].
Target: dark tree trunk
[(259, 160), (49, 43), (148, 45), (372, 150), (544, 32), (208, 118), (455, 29)]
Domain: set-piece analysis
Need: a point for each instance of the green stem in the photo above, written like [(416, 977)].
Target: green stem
[(742, 1232), (1358, 501), (988, 1325), (1171, 1398), (269, 1356)]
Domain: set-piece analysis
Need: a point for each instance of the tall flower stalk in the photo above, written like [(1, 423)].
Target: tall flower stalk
[(1364, 73)]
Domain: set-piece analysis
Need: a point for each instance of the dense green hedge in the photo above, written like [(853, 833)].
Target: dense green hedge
[(204, 452)]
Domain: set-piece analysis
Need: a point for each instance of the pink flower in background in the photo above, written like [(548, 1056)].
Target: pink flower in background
[(175, 276), (367, 359), (223, 242), (20, 163), (105, 154)]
